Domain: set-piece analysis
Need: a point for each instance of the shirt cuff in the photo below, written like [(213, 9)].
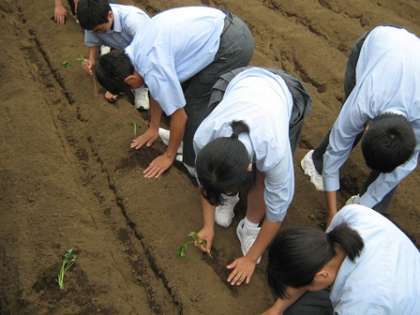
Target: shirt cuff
[(368, 200), (331, 183), (276, 217)]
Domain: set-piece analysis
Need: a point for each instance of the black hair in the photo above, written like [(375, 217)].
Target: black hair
[(388, 142), (297, 254), (111, 70), (222, 166), (92, 13)]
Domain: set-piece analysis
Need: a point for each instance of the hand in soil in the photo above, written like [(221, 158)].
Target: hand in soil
[(60, 14), (146, 138), (243, 269), (158, 166), (88, 66), (111, 98), (207, 236)]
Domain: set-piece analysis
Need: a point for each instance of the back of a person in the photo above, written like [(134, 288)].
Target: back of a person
[(262, 100), (389, 65), (184, 39), (385, 278)]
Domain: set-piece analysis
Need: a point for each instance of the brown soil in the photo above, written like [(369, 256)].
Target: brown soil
[(69, 180)]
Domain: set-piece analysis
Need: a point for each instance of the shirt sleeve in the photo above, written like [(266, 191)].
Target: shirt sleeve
[(91, 40), (385, 182), (134, 22), (164, 86), (279, 189), (350, 122)]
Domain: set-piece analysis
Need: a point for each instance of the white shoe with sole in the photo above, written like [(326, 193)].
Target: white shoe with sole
[(164, 136), (353, 200), (309, 169), (247, 237), (141, 98), (224, 214)]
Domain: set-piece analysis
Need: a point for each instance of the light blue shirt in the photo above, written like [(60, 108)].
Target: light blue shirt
[(176, 45), (387, 80), (385, 278), (263, 101), (128, 21)]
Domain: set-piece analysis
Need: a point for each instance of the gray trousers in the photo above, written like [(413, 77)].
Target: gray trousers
[(236, 49), (301, 105), (349, 84)]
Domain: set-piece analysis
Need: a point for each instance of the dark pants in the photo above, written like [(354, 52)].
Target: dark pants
[(235, 50), (349, 84), (312, 303)]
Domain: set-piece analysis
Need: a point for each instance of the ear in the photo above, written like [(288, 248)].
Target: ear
[(134, 81), (322, 275), (110, 15)]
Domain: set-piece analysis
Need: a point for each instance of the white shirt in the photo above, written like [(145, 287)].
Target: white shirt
[(262, 100), (128, 21), (387, 80), (176, 45), (385, 278)]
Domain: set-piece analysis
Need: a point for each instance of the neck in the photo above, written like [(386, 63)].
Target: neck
[(335, 263)]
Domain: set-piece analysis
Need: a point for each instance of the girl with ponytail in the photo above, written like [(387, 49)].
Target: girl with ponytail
[(362, 256), (246, 145)]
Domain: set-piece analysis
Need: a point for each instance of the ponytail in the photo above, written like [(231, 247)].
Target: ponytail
[(349, 240), (238, 127)]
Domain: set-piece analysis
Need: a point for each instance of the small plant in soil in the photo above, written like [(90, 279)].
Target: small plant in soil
[(135, 127), (69, 260), (193, 238), (66, 64)]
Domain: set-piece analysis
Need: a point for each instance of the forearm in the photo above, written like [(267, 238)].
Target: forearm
[(155, 114), (268, 232), (177, 127), (331, 199), (93, 54), (208, 213), (58, 3)]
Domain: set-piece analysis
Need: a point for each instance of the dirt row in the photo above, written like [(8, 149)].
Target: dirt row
[(69, 180)]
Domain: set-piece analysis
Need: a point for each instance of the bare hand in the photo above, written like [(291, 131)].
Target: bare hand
[(158, 166), (146, 138), (60, 14), (88, 66), (111, 98), (206, 235), (243, 269)]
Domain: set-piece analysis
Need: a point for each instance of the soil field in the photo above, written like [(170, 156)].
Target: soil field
[(69, 180)]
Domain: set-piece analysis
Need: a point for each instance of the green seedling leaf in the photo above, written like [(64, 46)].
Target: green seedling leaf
[(69, 259), (66, 64), (135, 129), (193, 238), (81, 60), (181, 251)]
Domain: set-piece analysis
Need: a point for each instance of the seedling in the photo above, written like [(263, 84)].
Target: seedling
[(135, 129), (80, 60), (66, 64), (69, 260), (193, 238)]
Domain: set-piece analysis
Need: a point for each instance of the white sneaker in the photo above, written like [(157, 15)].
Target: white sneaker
[(141, 98), (224, 213), (353, 200), (105, 50), (309, 169), (164, 136), (247, 237)]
